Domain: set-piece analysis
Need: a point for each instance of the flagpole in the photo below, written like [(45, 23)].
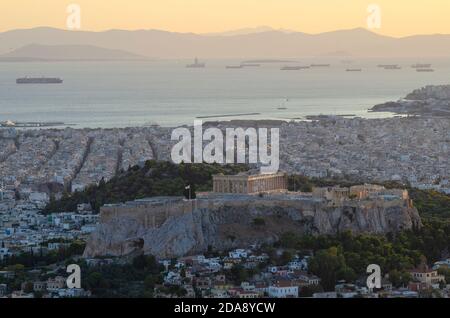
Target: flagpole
[(188, 188)]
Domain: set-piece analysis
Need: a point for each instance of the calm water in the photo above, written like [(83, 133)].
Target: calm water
[(119, 94)]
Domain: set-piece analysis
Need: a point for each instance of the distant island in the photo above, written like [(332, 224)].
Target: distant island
[(432, 100), (271, 46), (42, 53)]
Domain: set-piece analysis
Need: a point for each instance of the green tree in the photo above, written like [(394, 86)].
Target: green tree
[(239, 274), (259, 222), (445, 271), (150, 282), (28, 288), (346, 273), (326, 264), (308, 291), (286, 257)]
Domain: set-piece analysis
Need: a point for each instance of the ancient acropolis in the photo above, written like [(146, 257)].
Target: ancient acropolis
[(250, 183)]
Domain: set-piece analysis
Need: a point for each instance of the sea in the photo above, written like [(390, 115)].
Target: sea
[(165, 92)]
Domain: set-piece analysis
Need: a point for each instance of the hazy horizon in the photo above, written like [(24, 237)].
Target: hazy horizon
[(226, 33), (399, 18), (245, 44)]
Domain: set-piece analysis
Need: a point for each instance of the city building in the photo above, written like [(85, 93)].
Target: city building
[(337, 195), (283, 289), (427, 276)]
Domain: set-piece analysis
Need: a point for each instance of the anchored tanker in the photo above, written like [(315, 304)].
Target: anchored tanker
[(39, 80), (293, 68)]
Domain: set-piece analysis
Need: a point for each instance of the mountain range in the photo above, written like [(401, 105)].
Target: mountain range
[(260, 42)]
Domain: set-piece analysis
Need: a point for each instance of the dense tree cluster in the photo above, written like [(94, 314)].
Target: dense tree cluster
[(40, 258), (136, 279), (431, 203), (156, 178), (346, 256)]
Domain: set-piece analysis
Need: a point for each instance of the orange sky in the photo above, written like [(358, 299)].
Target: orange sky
[(399, 17)]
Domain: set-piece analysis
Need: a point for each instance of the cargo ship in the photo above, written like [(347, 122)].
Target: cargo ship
[(389, 66), (424, 70), (290, 68), (250, 65), (392, 67), (418, 65), (320, 65), (39, 80), (294, 68), (353, 70)]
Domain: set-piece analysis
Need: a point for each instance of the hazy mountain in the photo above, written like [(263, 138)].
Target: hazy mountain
[(67, 52), (266, 44)]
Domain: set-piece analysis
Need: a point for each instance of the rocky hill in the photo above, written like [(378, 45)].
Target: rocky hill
[(427, 101), (172, 227)]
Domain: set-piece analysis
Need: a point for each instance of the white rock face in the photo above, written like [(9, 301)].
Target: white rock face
[(230, 223)]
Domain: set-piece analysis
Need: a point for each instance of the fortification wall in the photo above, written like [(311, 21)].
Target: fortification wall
[(148, 214)]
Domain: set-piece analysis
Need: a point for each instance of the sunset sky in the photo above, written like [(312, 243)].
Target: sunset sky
[(399, 17)]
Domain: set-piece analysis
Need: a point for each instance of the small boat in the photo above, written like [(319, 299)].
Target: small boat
[(283, 106), (353, 70)]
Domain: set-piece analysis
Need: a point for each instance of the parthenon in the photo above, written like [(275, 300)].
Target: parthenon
[(248, 183)]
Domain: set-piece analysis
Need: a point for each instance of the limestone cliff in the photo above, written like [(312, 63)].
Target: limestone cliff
[(176, 227)]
